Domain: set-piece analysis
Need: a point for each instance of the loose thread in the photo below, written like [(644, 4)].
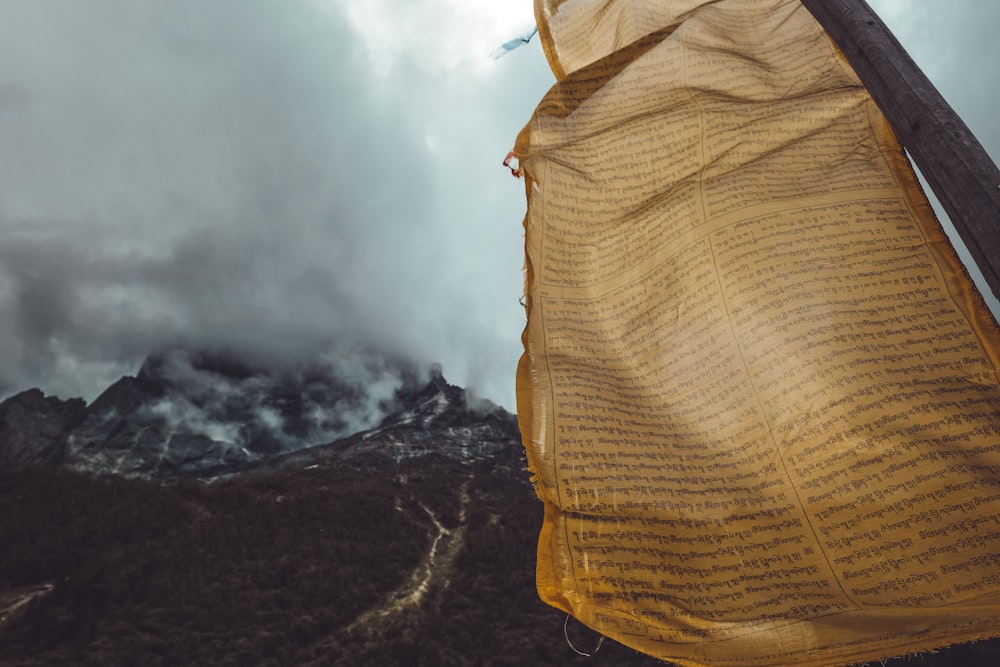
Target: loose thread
[(575, 649)]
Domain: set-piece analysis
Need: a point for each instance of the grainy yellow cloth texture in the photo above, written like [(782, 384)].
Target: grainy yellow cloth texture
[(759, 393)]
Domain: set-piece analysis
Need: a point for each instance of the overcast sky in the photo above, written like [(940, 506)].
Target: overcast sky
[(280, 175)]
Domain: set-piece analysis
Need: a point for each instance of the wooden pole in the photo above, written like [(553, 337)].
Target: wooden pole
[(961, 174)]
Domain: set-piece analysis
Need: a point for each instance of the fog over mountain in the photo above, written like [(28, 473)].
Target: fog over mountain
[(275, 177), (216, 412)]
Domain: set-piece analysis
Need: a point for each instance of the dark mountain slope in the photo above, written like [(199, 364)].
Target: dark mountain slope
[(33, 428), (429, 563), (403, 534)]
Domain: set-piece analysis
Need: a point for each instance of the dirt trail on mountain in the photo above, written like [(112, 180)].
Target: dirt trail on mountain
[(432, 572), (14, 601)]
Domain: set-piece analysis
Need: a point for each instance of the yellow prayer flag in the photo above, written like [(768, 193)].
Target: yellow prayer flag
[(759, 392)]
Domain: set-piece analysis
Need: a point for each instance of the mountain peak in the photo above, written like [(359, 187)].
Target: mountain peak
[(211, 413), (437, 377)]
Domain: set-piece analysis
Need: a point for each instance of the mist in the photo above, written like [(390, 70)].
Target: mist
[(276, 177), (293, 178)]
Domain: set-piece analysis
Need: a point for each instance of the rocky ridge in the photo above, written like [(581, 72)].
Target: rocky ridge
[(211, 415)]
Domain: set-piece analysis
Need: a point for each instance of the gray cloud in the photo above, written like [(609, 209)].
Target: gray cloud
[(239, 173), (276, 176)]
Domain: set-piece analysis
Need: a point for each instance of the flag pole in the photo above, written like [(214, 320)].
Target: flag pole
[(961, 174)]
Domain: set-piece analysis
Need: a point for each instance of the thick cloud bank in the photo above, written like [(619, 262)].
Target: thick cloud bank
[(288, 177), (280, 177)]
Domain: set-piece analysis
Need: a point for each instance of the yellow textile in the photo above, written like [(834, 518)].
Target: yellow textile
[(759, 393)]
